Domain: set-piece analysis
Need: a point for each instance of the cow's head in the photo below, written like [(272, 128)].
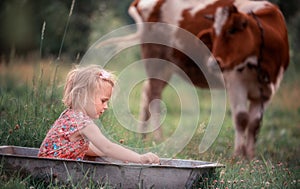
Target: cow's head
[(231, 37)]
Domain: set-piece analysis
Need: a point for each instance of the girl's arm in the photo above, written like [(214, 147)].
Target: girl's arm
[(94, 151), (113, 150)]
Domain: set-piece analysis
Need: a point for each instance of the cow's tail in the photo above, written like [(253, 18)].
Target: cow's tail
[(125, 41)]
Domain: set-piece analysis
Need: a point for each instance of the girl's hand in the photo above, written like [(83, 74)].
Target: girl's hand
[(149, 158)]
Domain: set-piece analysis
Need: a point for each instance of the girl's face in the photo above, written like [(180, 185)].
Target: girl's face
[(101, 100)]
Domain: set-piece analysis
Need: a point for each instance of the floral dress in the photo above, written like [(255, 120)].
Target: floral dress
[(57, 143)]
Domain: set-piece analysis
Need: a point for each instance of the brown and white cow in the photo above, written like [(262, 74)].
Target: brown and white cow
[(238, 55), (250, 44)]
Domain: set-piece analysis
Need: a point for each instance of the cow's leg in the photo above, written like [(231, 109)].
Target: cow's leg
[(256, 111), (158, 73), (144, 108), (151, 107), (239, 109)]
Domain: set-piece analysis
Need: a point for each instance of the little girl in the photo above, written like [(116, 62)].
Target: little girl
[(74, 134)]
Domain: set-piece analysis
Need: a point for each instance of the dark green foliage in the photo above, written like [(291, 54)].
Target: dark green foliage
[(289, 9), (21, 25), (295, 40)]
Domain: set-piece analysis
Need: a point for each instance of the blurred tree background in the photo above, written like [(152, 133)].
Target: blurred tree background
[(22, 23)]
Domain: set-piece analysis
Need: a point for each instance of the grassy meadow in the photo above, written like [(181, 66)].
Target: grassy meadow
[(30, 101)]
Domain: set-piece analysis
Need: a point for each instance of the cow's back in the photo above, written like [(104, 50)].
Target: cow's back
[(183, 15)]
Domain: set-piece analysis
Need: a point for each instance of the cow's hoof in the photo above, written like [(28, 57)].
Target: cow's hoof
[(240, 152), (250, 155)]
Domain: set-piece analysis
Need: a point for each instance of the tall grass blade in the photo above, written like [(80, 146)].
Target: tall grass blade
[(42, 39), (66, 28)]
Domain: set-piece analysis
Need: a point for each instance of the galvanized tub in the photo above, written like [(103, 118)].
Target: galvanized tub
[(170, 173)]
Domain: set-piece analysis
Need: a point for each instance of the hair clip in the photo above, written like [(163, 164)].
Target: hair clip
[(104, 74)]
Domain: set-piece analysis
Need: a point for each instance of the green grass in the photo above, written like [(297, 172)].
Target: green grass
[(29, 106)]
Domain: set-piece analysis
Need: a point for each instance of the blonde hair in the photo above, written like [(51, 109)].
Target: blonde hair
[(82, 83)]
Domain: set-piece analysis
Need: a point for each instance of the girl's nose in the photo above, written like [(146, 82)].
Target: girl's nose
[(105, 105)]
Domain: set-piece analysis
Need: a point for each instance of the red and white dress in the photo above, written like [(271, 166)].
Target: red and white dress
[(57, 143)]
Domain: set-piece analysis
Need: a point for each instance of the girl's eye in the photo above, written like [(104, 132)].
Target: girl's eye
[(104, 101)]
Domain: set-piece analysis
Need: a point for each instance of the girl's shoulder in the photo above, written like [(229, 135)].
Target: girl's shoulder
[(76, 117)]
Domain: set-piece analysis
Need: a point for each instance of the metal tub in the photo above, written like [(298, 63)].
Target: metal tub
[(170, 173)]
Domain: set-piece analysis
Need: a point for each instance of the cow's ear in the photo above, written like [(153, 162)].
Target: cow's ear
[(206, 37)]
